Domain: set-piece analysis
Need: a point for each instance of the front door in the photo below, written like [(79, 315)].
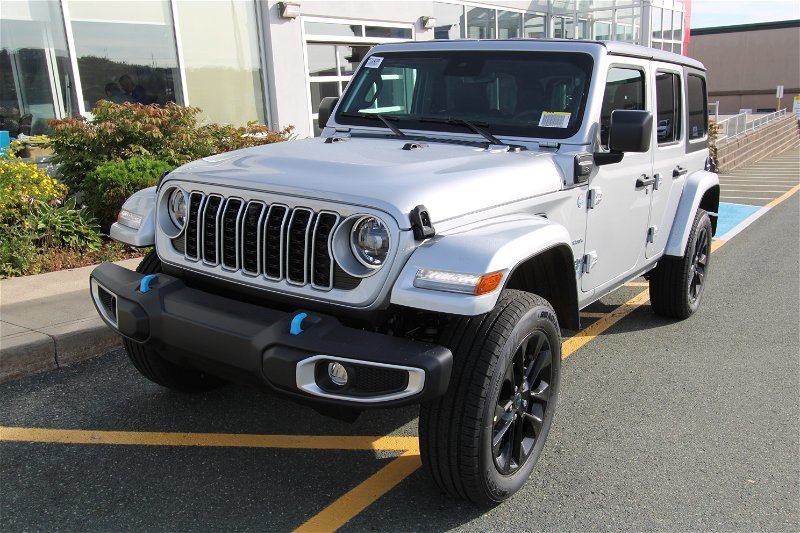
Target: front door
[(618, 209)]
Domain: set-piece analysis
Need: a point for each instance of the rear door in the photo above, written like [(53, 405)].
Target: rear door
[(618, 210), (669, 154)]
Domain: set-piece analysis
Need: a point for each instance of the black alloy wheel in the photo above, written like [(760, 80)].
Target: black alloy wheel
[(697, 271), (521, 406)]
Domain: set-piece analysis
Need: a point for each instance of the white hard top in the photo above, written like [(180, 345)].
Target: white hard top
[(578, 45)]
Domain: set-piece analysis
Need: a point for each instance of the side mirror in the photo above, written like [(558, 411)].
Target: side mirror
[(630, 131), (325, 109)]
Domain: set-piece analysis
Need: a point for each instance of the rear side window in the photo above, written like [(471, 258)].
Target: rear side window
[(697, 126), (624, 90), (668, 107)]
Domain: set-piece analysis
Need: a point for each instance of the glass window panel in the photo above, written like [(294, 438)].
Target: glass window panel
[(223, 74), (698, 107), (152, 12), (337, 30), (394, 92), (481, 23), (561, 6), (569, 28), (677, 26), (601, 24), (322, 60), (625, 21), (655, 22), (535, 26), (385, 32), (585, 5), (509, 25), (624, 90), (449, 21), (320, 90), (668, 108), (558, 28), (127, 62), (582, 29), (35, 73), (350, 56), (666, 24)]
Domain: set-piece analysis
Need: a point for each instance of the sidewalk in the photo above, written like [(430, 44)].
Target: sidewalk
[(48, 321)]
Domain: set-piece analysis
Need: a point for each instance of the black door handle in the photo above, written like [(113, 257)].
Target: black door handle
[(679, 171), (644, 181)]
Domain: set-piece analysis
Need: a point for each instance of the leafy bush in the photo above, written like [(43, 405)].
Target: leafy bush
[(17, 253), (107, 187), (21, 186), (121, 131), (64, 226)]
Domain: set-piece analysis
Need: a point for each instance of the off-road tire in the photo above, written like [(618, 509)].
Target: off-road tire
[(154, 367), (677, 284), (456, 430)]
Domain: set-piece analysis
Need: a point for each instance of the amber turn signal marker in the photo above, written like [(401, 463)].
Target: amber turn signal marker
[(488, 283)]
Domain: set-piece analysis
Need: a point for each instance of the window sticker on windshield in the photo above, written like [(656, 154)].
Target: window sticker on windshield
[(554, 119), (374, 62)]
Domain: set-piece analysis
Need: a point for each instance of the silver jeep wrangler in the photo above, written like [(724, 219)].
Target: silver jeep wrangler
[(465, 200)]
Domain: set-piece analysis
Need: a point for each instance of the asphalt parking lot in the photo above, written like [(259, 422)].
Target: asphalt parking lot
[(691, 425)]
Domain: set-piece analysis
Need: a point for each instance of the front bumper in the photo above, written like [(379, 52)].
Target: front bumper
[(238, 340)]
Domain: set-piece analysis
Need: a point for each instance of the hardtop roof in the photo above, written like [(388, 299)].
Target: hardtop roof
[(612, 47)]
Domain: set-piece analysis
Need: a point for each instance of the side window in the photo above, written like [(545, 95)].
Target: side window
[(393, 92), (624, 90), (668, 107), (697, 126)]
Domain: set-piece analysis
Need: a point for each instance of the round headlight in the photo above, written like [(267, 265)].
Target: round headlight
[(177, 207), (369, 241)]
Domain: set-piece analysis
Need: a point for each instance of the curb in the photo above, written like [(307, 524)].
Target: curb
[(31, 352)]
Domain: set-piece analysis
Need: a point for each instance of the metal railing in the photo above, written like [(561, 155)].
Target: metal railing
[(736, 125)]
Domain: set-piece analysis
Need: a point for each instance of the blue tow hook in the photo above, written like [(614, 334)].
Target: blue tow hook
[(295, 328), (144, 285)]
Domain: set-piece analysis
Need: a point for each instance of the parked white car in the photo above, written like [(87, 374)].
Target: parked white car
[(465, 200)]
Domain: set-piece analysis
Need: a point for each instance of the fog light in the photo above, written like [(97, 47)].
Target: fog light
[(338, 374)]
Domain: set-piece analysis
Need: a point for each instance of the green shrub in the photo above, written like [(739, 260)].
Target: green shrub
[(64, 226), (18, 253), (107, 187), (121, 131)]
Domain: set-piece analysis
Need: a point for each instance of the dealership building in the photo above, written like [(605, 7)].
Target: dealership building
[(272, 62)]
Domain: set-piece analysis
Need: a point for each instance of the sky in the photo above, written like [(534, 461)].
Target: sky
[(708, 13)]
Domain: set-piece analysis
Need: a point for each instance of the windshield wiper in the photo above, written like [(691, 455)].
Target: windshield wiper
[(474, 126), (377, 116)]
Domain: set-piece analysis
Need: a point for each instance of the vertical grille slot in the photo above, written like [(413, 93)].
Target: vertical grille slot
[(273, 241), (192, 231), (251, 233), (231, 216), (321, 254), (209, 229), (297, 246)]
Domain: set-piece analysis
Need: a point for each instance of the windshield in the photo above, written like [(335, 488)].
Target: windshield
[(514, 93)]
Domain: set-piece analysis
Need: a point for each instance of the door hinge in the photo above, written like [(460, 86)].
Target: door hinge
[(594, 197), (589, 261), (657, 183), (652, 231)]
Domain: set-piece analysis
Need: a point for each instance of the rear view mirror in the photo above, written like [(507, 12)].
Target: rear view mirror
[(325, 109)]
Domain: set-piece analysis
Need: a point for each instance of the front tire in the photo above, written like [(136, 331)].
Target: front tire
[(677, 284), (481, 440), (154, 367)]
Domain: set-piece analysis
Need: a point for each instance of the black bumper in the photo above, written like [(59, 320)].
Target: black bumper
[(242, 341)]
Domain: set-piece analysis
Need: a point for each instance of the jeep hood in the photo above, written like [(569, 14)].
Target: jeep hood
[(449, 179)]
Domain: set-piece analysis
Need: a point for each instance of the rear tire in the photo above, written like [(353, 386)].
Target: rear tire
[(677, 284), (481, 440), (154, 367)]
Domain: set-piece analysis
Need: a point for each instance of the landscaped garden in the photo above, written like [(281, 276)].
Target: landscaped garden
[(61, 221)]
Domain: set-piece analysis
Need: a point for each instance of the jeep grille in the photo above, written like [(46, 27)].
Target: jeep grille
[(259, 239)]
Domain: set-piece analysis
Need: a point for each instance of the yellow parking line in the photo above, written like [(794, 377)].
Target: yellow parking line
[(637, 284), (147, 438), (726, 190), (725, 197), (747, 185), (783, 197), (363, 495), (589, 314)]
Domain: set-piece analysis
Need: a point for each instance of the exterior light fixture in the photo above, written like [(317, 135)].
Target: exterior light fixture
[(428, 22), (289, 10)]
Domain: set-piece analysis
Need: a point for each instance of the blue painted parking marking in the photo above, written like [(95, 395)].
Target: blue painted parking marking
[(731, 215)]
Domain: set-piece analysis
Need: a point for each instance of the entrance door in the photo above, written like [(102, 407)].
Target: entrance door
[(616, 228)]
